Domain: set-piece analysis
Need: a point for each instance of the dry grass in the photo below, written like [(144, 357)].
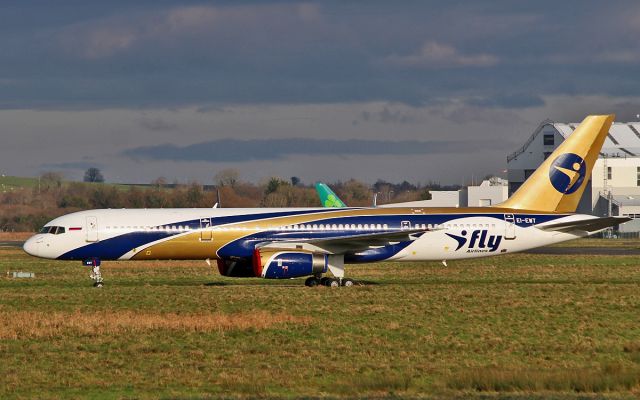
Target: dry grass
[(606, 378), (30, 324), (518, 326), (17, 236)]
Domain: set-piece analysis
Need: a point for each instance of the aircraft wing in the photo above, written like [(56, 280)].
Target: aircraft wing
[(588, 225), (338, 244)]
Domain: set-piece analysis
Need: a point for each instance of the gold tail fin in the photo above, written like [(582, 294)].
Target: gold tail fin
[(557, 185)]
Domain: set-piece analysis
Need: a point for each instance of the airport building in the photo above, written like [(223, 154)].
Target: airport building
[(489, 193), (615, 182)]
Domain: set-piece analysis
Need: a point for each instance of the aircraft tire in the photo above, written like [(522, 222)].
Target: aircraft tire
[(311, 282)]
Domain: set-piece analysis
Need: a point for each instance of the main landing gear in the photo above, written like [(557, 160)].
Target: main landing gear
[(96, 275), (329, 282), (335, 265)]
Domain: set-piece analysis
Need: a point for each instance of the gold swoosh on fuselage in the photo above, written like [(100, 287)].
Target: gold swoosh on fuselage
[(190, 247)]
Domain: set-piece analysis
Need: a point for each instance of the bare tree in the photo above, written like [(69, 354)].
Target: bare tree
[(159, 182), (50, 180), (227, 177)]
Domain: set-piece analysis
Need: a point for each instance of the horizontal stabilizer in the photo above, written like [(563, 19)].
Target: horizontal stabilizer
[(587, 225)]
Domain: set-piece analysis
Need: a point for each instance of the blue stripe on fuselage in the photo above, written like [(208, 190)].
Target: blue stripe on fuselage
[(116, 247), (244, 247)]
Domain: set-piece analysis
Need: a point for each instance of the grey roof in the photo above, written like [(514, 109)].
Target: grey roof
[(625, 200), (623, 139)]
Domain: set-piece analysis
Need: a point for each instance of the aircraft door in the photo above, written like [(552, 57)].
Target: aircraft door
[(92, 229), (510, 227), (405, 225), (206, 233)]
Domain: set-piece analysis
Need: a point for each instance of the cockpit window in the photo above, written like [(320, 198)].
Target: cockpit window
[(56, 230)]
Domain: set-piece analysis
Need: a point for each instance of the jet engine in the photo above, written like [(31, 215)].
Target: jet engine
[(288, 263), (237, 268)]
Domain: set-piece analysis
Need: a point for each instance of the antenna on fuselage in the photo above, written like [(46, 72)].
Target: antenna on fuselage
[(375, 200)]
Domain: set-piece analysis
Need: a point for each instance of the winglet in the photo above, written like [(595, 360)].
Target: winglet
[(557, 185)]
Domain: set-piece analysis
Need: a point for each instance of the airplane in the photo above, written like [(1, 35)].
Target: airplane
[(331, 200), (327, 197), (283, 243)]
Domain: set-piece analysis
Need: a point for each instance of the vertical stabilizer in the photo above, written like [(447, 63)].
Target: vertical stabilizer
[(327, 197), (557, 185)]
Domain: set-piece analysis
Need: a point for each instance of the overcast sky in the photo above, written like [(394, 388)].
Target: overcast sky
[(423, 91)]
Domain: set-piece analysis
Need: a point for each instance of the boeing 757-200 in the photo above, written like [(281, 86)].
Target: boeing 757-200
[(282, 243)]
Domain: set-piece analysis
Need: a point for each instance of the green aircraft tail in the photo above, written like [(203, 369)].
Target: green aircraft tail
[(327, 197)]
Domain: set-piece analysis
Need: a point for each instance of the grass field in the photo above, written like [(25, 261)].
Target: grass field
[(11, 182), (517, 326)]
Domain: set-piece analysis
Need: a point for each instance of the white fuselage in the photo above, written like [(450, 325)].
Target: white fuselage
[(220, 233)]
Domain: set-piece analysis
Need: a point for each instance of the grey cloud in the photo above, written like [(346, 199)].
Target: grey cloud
[(74, 165), (157, 124), (438, 55), (232, 150), (387, 116), (515, 100), (627, 111), (216, 54), (466, 114)]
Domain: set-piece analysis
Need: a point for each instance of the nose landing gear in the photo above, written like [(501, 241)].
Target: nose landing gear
[(96, 275)]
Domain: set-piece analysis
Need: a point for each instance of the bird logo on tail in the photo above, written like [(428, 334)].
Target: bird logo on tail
[(567, 172)]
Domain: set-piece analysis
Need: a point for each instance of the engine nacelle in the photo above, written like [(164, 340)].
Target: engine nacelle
[(288, 263), (240, 268)]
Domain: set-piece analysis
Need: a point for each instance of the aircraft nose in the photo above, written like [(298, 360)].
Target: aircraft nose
[(31, 246)]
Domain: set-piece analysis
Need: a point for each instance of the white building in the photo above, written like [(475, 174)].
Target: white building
[(490, 192), (615, 181), (439, 198)]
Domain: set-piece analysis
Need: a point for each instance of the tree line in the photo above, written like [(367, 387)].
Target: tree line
[(28, 209)]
